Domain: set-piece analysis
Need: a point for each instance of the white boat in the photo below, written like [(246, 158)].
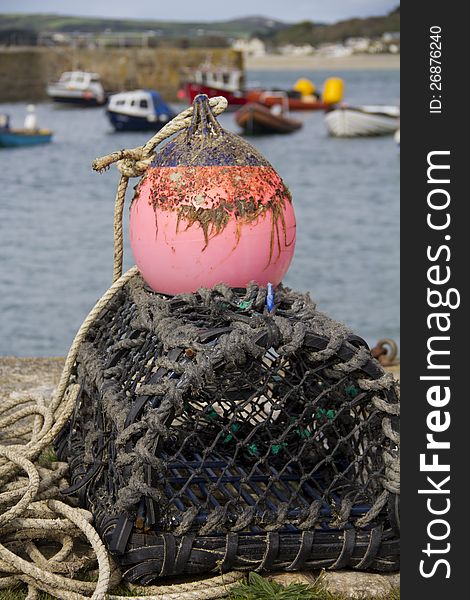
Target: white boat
[(397, 136), (349, 121), (77, 87), (139, 110)]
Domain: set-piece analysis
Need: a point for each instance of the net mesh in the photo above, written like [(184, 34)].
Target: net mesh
[(212, 433)]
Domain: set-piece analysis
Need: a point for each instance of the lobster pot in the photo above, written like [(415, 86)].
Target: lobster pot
[(212, 434)]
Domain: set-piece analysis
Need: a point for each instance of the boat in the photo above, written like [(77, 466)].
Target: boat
[(230, 83), (138, 110), (350, 121), (12, 138), (78, 87), (396, 137), (256, 119), (296, 101), (215, 82), (303, 96)]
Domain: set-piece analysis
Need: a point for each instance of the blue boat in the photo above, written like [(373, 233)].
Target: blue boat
[(138, 110), (12, 138)]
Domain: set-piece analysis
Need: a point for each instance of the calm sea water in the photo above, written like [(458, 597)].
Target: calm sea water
[(56, 218)]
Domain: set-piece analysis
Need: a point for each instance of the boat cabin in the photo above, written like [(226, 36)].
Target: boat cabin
[(79, 79), (146, 104), (223, 79)]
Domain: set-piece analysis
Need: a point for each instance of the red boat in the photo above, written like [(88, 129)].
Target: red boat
[(229, 83), (213, 82)]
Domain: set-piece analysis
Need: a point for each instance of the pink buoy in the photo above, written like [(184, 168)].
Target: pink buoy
[(210, 209)]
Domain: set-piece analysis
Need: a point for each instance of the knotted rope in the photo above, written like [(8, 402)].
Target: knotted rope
[(31, 509)]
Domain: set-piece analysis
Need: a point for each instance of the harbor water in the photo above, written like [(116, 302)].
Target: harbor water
[(56, 214)]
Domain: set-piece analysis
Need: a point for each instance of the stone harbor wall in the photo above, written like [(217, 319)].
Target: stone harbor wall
[(25, 72)]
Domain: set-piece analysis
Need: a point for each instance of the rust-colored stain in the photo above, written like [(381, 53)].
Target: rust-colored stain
[(212, 196)]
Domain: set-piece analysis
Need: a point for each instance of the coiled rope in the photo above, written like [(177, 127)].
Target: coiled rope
[(29, 423)]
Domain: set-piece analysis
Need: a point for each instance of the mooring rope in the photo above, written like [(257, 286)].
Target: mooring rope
[(31, 505)]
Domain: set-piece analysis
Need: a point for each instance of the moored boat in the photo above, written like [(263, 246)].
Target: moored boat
[(12, 138), (303, 96), (295, 101), (77, 87), (138, 110), (215, 82), (396, 137), (349, 121), (29, 135), (256, 119), (230, 84)]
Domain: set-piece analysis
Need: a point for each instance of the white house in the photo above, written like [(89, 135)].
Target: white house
[(358, 44), (250, 47), (293, 50), (334, 50)]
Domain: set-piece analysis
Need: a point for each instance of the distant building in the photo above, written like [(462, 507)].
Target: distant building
[(107, 38), (334, 50), (250, 47), (391, 40), (293, 50), (18, 37), (391, 36), (358, 44), (377, 47)]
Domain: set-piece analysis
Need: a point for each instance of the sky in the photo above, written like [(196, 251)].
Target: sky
[(206, 10)]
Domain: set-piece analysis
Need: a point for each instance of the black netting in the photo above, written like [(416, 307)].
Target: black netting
[(212, 434)]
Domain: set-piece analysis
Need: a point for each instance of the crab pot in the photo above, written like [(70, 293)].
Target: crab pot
[(213, 434)]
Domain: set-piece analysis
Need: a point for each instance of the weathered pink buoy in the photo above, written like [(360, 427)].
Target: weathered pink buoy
[(210, 209)]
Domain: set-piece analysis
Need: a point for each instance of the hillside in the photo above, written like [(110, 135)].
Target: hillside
[(57, 23), (272, 31), (308, 32)]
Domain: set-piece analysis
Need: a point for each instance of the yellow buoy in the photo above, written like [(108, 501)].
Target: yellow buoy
[(333, 90), (304, 86)]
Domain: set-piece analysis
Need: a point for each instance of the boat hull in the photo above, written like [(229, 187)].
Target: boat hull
[(83, 97), (77, 100), (347, 122), (255, 119), (123, 122), (240, 98), (16, 139)]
